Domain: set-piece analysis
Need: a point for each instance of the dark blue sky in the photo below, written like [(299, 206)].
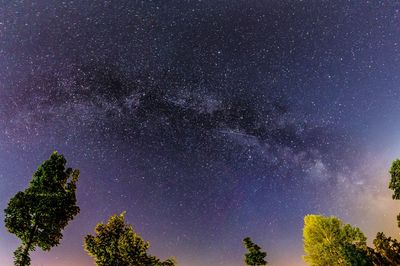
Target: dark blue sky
[(207, 121)]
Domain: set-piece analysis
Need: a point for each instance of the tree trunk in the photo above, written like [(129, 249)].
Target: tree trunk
[(28, 246)]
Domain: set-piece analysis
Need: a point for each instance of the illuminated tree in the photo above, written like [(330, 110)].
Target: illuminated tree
[(116, 244), (328, 241), (38, 214)]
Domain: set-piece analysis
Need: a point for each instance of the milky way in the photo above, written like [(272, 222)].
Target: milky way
[(207, 121)]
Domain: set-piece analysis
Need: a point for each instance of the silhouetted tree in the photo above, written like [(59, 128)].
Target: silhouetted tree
[(116, 244), (254, 256), (387, 250), (38, 214)]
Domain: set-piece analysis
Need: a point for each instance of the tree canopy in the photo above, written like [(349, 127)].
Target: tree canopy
[(387, 250), (394, 183), (38, 214), (328, 241), (254, 256), (116, 244)]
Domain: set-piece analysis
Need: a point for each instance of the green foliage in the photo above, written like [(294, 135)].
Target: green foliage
[(254, 256), (21, 257), (387, 250), (116, 244), (328, 241), (394, 183), (360, 255), (39, 214)]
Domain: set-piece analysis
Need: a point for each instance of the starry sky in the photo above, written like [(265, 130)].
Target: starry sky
[(207, 121)]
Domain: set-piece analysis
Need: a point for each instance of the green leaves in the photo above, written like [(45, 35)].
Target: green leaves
[(387, 250), (327, 241), (21, 257), (394, 183), (39, 214), (254, 256), (115, 243)]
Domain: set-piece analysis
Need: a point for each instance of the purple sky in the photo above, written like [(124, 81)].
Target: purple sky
[(207, 121)]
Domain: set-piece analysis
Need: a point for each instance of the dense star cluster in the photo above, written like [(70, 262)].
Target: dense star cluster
[(207, 121)]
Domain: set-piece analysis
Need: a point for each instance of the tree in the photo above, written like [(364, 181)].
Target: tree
[(116, 244), (387, 250), (38, 214), (254, 256), (394, 183), (328, 241)]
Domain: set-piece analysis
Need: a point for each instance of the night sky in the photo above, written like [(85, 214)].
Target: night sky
[(207, 121)]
